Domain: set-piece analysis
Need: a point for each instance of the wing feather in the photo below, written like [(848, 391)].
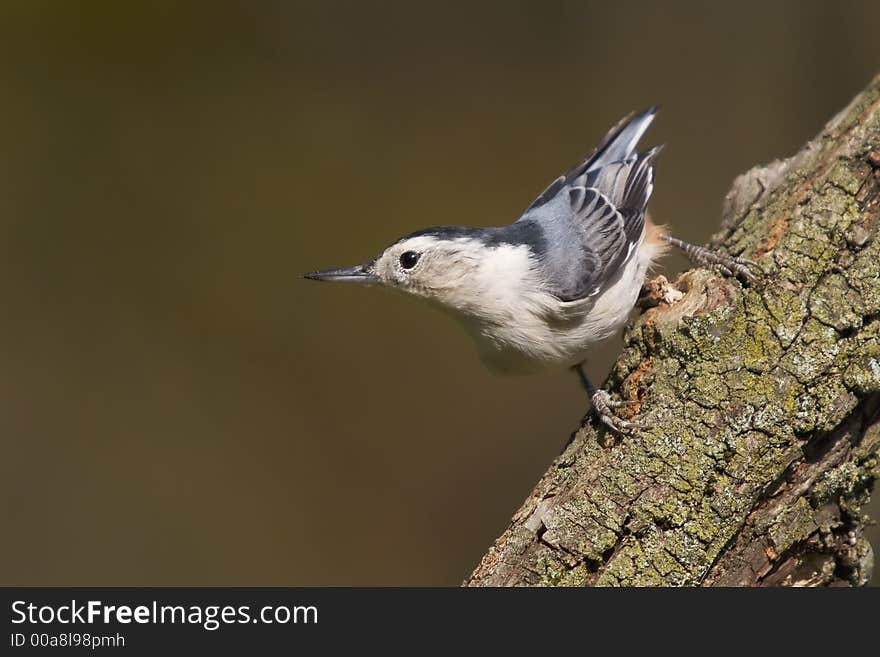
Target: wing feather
[(594, 216)]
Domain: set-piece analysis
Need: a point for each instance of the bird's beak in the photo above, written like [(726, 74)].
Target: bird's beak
[(363, 274)]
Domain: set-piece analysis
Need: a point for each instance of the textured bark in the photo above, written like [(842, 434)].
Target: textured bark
[(762, 402)]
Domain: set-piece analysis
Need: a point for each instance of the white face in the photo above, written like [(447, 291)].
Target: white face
[(460, 273), (427, 266)]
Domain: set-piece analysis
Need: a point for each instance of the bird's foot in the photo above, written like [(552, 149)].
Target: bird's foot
[(733, 266), (728, 265), (605, 409)]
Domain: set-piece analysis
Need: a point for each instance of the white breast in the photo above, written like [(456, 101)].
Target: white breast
[(519, 329)]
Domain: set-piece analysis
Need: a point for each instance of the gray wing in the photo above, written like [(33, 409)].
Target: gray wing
[(593, 216)]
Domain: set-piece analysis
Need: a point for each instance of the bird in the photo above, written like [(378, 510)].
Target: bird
[(540, 292)]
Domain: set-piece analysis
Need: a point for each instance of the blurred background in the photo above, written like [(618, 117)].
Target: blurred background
[(177, 406)]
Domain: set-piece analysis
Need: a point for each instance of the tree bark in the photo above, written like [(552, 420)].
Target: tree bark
[(762, 402)]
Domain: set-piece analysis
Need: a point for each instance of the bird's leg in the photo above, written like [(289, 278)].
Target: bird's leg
[(604, 405), (703, 257)]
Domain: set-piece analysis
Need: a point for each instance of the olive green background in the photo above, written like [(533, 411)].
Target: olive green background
[(177, 406)]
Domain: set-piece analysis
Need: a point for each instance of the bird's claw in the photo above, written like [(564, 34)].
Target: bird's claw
[(732, 266), (739, 268), (604, 407)]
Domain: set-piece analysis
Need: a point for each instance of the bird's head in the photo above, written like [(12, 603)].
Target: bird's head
[(454, 267)]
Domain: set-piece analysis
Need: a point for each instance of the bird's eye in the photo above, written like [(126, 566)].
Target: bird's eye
[(408, 259)]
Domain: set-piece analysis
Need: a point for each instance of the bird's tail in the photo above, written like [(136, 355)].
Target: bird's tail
[(614, 154), (621, 141)]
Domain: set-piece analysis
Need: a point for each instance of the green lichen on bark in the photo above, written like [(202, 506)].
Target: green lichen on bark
[(759, 403)]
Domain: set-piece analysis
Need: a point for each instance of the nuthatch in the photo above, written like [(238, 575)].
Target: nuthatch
[(565, 275)]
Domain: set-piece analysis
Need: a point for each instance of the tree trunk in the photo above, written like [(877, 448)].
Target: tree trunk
[(762, 402)]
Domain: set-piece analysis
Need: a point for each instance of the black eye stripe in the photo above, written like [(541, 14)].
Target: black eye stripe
[(408, 259)]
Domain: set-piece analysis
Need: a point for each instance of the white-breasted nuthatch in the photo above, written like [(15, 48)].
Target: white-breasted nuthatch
[(539, 292)]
